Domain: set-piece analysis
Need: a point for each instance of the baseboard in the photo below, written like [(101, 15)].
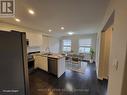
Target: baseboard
[(100, 78), (106, 78)]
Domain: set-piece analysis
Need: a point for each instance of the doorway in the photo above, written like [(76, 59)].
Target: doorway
[(106, 41)]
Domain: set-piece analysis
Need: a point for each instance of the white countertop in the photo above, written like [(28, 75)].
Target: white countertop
[(57, 56)]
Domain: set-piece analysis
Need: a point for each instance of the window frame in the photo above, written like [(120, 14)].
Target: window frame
[(66, 46), (85, 46)]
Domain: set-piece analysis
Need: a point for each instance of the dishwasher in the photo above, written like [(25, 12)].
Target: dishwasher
[(52, 66)]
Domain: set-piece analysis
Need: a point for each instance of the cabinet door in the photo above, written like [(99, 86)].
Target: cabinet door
[(41, 62), (45, 42), (35, 39), (37, 62), (44, 64), (61, 66)]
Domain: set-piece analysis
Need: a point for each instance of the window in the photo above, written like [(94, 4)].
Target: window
[(66, 45), (85, 45)]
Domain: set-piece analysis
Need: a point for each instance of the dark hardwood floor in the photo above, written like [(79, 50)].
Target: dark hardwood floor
[(70, 83)]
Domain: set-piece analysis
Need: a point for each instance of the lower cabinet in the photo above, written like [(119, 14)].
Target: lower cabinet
[(61, 66), (41, 62), (52, 65)]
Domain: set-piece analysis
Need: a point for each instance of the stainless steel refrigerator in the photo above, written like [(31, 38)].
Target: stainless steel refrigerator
[(13, 64)]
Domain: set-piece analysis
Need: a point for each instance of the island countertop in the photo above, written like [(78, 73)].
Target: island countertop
[(53, 55), (51, 63), (57, 56)]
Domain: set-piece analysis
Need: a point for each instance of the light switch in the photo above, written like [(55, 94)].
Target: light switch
[(115, 64)]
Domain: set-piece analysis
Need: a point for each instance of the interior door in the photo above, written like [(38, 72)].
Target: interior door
[(106, 39)]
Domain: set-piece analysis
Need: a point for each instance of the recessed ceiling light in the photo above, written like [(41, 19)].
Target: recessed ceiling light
[(62, 28), (18, 20), (50, 30), (70, 33), (31, 11)]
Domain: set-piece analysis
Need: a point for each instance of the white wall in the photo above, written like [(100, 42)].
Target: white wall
[(98, 53), (50, 42), (119, 45), (75, 41)]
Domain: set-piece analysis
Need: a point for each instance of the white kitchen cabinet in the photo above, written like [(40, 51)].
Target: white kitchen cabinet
[(61, 66), (35, 39), (45, 42), (54, 64), (41, 62)]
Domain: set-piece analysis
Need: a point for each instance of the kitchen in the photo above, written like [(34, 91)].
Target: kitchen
[(33, 62), (50, 62), (45, 53)]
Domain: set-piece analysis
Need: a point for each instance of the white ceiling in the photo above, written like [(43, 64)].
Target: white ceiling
[(78, 16)]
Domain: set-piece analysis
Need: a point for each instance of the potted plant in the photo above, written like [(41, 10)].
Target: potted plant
[(92, 54)]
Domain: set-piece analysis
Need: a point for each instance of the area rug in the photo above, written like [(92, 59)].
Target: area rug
[(76, 67)]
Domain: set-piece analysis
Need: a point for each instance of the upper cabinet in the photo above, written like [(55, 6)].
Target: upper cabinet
[(35, 39), (45, 42)]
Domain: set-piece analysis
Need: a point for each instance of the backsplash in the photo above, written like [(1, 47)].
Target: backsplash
[(33, 49)]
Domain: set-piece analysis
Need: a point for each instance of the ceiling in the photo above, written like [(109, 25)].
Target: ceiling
[(78, 16)]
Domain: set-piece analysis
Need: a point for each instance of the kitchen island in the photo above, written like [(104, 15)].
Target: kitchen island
[(51, 63)]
